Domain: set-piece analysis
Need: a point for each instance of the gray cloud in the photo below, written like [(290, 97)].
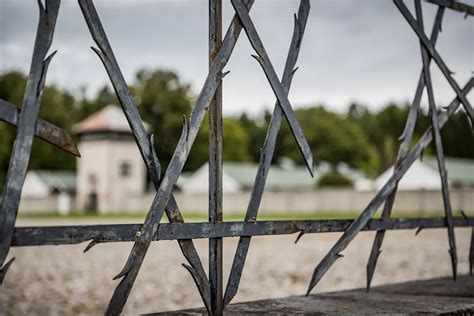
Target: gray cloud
[(353, 50)]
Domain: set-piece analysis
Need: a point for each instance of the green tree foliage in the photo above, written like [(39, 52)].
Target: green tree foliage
[(87, 107), (56, 107), (334, 179), (384, 127), (364, 139), (331, 137), (162, 100)]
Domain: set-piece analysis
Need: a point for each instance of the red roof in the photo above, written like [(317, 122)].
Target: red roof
[(110, 119)]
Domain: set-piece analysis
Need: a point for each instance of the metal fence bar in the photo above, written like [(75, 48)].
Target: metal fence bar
[(382, 195), (68, 235), (215, 162), (48, 132), (266, 154), (454, 5), (144, 144), (438, 144), (26, 127), (210, 98), (406, 139), (189, 133), (278, 90), (436, 57)]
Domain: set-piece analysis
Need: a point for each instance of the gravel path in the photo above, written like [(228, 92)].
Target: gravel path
[(61, 280)]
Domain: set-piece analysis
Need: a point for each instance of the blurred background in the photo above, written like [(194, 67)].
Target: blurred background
[(358, 70)]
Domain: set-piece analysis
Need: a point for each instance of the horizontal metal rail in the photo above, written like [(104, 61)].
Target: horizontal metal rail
[(64, 235)]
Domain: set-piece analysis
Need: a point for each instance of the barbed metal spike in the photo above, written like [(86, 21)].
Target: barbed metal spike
[(272, 77), (471, 253), (455, 6), (44, 130), (147, 151), (405, 140), (382, 195), (418, 230), (266, 153), (4, 269), (438, 144), (175, 166), (92, 243), (436, 57), (299, 236), (26, 125)]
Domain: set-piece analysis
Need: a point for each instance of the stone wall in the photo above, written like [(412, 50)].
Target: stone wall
[(326, 200)]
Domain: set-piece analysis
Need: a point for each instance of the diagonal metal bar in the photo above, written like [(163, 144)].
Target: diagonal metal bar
[(471, 252), (382, 195), (272, 77), (267, 152), (402, 153), (215, 163), (145, 146), (436, 57), (26, 126), (454, 5), (70, 235), (439, 146), (189, 133), (46, 131)]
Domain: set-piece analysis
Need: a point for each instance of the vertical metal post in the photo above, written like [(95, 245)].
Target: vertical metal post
[(215, 163)]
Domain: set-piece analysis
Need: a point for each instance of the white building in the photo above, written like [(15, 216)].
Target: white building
[(285, 176), (110, 168), (424, 175)]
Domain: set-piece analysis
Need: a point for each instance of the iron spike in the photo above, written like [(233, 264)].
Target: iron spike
[(299, 236), (26, 126), (266, 154), (92, 243), (382, 195), (471, 252), (438, 144), (435, 55), (176, 164), (48, 132), (419, 229), (272, 77), (4, 269), (405, 140)]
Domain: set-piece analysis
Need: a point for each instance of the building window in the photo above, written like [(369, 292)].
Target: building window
[(125, 169)]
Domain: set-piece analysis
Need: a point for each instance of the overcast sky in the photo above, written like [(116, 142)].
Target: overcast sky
[(352, 50)]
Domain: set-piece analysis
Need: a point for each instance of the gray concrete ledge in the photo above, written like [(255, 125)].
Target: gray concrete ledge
[(425, 297)]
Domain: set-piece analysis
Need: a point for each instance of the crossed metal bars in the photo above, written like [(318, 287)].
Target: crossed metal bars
[(400, 169), (210, 98)]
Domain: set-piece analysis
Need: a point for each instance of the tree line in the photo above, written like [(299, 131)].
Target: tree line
[(364, 139)]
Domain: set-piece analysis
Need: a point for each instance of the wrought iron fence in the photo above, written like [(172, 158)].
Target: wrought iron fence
[(211, 288)]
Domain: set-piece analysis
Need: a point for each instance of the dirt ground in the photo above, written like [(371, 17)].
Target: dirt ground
[(62, 280)]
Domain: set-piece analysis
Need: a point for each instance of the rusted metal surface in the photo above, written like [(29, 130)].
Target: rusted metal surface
[(144, 144), (471, 252), (438, 143), (455, 5), (382, 195), (210, 99), (26, 126), (405, 139), (278, 89), (65, 235), (436, 57), (215, 163), (46, 131), (267, 152)]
